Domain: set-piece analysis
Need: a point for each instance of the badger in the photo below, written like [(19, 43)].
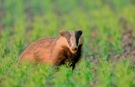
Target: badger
[(55, 51)]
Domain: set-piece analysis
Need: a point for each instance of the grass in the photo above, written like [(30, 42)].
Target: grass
[(23, 21)]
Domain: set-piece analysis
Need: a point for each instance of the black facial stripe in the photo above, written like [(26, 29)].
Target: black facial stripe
[(77, 36)]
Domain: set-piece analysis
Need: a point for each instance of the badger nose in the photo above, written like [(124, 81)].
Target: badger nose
[(74, 48)]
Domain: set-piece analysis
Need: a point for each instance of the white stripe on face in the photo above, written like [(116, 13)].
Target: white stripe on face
[(73, 40)]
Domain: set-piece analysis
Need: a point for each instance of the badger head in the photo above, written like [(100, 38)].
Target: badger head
[(73, 38)]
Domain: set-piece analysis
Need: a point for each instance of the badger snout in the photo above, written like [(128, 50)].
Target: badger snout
[(74, 49)]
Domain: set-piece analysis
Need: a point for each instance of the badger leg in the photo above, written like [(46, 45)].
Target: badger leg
[(72, 65)]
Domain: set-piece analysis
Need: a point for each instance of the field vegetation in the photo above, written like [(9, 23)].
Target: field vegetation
[(108, 51)]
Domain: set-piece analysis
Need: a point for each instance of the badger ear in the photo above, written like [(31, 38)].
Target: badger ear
[(62, 32), (79, 32)]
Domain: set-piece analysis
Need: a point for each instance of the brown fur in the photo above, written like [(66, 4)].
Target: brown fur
[(52, 51)]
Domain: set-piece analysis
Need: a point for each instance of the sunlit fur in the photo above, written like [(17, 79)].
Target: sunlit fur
[(55, 51)]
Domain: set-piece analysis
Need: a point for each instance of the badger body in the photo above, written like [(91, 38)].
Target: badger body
[(55, 51)]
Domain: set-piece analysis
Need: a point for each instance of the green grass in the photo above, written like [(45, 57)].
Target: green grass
[(24, 21)]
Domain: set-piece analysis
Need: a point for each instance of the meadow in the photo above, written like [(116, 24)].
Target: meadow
[(108, 51)]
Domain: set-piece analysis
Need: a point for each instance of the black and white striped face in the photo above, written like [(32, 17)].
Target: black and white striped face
[(73, 38)]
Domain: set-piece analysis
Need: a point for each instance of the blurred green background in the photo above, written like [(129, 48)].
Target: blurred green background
[(104, 24)]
